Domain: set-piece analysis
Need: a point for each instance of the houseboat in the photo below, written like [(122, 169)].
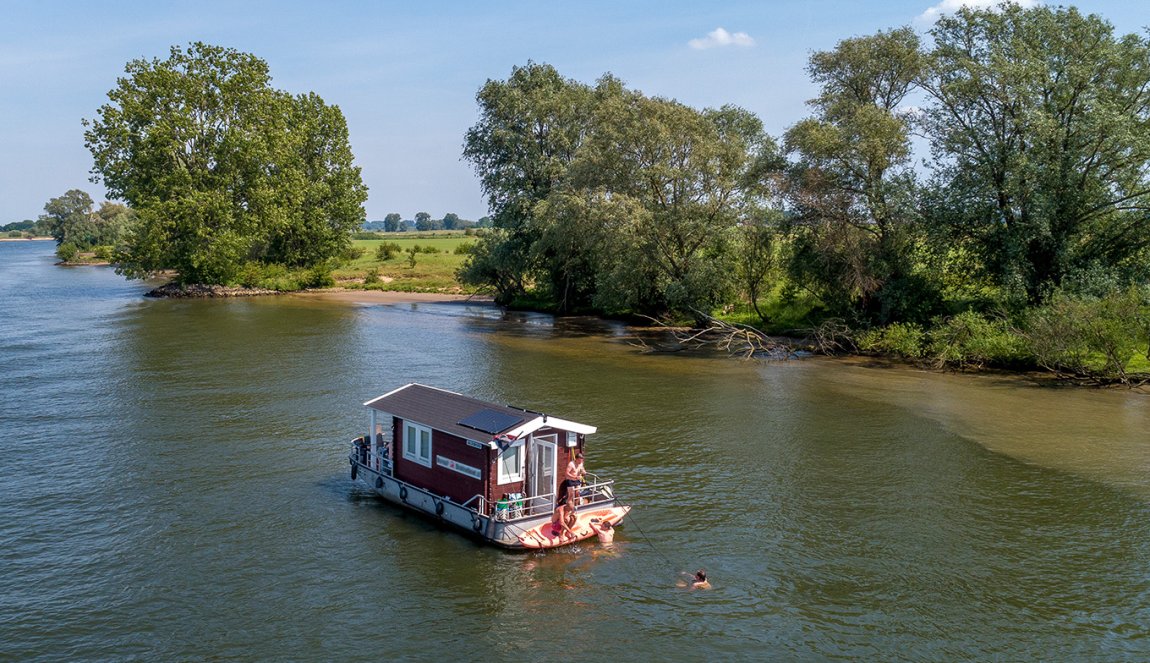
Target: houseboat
[(493, 471)]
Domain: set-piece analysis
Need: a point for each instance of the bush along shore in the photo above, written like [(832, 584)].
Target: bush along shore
[(200, 291)]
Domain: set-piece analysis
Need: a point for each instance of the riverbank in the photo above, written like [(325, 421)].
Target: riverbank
[(354, 296)]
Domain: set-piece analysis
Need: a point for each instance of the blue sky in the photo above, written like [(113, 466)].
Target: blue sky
[(405, 74)]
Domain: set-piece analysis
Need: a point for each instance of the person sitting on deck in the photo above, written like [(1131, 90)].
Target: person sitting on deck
[(605, 530), (563, 521)]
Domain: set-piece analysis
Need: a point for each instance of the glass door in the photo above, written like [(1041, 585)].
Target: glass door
[(542, 480)]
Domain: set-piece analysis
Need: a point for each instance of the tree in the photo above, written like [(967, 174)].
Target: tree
[(423, 221), (529, 130), (1040, 130), (222, 169), (694, 174), (451, 221), (392, 222), (65, 216), (852, 186)]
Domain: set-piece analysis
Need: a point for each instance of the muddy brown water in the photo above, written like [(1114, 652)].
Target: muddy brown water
[(174, 487)]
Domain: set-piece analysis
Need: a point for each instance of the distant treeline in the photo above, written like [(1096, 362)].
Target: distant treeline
[(423, 222), (1029, 222)]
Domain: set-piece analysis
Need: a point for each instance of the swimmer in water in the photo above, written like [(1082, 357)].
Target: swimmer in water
[(605, 531)]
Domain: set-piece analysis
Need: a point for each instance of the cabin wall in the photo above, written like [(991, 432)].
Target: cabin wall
[(439, 479)]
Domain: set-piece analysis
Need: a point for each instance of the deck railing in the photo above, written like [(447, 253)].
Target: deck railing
[(597, 491), (361, 453)]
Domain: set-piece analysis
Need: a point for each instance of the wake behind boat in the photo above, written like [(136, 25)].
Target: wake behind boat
[(490, 470)]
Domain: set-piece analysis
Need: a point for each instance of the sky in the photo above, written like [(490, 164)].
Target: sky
[(405, 74)]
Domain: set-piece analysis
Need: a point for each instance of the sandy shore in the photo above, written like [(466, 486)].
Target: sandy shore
[(388, 297)]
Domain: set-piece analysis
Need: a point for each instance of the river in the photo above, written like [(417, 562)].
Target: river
[(174, 486)]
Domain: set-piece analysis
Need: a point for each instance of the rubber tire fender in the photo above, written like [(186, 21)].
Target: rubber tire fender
[(476, 523), (379, 482), (353, 471), (439, 508), (402, 492)]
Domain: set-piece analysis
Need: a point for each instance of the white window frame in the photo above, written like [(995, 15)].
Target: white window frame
[(503, 476), (412, 434)]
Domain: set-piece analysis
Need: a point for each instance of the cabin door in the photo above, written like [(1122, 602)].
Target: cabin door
[(543, 468)]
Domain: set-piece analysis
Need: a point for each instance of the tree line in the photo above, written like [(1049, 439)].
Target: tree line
[(1033, 205), (423, 222)]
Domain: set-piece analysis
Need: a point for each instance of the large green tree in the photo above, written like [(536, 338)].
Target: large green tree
[(65, 216), (1041, 131), (529, 129), (694, 174), (852, 186), (221, 168)]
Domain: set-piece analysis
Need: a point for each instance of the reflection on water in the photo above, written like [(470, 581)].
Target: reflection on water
[(175, 488)]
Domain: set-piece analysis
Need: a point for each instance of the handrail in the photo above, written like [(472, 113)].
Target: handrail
[(482, 504)]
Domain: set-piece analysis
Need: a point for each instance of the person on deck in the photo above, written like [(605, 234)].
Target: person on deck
[(563, 521), (573, 478)]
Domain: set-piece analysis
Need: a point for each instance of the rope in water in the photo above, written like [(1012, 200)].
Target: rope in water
[(631, 520)]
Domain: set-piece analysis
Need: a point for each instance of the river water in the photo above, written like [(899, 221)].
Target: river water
[(173, 486)]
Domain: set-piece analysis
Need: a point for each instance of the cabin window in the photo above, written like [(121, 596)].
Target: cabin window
[(417, 444), (511, 463)]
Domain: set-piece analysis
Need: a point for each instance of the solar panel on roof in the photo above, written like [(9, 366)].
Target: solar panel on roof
[(490, 421)]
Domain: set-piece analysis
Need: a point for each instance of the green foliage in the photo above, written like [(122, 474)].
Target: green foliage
[(280, 277), (464, 249), (67, 252), (68, 216), (852, 188), (350, 253), (1042, 141), (1086, 336), (269, 179), (386, 251), (906, 340), (970, 340), (371, 277)]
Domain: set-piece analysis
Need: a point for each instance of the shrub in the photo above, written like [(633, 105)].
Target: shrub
[(1089, 335), (67, 252), (102, 252), (372, 276), (897, 339), (464, 249), (387, 251), (318, 277), (352, 253), (968, 340)]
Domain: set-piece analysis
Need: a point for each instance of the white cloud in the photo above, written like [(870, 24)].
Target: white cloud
[(720, 37), (931, 15)]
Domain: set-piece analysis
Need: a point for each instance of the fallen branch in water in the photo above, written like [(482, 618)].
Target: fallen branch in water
[(730, 337)]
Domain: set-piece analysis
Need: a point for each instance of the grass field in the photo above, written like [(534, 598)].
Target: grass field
[(431, 272)]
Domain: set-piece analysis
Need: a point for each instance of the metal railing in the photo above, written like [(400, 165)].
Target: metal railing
[(361, 453), (594, 493)]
